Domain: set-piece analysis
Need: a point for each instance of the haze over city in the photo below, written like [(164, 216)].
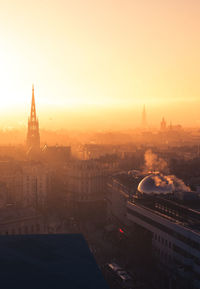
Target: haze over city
[(96, 63), (100, 144)]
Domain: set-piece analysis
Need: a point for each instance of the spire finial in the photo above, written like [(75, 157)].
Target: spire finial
[(32, 92)]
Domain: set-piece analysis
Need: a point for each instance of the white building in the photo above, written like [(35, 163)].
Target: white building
[(175, 230), (121, 186)]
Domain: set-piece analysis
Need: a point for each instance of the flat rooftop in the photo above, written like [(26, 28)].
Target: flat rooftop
[(48, 261), (171, 210), (129, 181)]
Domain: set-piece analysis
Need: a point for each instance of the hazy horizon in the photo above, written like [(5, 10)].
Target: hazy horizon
[(96, 63)]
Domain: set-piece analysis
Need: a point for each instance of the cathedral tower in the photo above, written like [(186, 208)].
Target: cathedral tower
[(163, 125), (33, 136)]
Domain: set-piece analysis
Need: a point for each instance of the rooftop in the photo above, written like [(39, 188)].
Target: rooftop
[(129, 180), (48, 261), (172, 210)]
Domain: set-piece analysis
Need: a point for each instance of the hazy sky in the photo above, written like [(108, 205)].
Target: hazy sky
[(96, 62)]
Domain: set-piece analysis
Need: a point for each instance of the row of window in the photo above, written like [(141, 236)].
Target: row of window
[(164, 208), (163, 241), (23, 231), (163, 255), (167, 230)]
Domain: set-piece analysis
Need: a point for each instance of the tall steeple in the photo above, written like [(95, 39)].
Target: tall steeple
[(33, 135), (163, 125), (33, 111)]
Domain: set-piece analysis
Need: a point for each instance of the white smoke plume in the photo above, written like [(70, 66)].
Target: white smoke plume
[(158, 166), (161, 181), (178, 184), (169, 183), (154, 163)]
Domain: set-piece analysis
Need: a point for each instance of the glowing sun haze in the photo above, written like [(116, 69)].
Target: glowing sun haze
[(98, 62)]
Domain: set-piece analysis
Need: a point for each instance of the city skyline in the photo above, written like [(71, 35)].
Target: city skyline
[(127, 122), (102, 63), (100, 144)]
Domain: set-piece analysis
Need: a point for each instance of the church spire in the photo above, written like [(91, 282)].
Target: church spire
[(33, 110), (33, 136)]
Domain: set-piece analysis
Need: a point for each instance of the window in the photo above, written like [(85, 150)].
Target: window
[(37, 227), (166, 229)]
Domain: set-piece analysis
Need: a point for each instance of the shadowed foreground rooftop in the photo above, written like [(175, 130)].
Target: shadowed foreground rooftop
[(48, 261)]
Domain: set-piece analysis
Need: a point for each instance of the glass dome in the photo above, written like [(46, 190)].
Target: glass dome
[(155, 184)]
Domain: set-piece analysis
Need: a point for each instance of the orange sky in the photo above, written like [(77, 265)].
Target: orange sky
[(96, 62)]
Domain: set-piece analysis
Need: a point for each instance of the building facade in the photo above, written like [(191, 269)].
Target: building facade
[(36, 184), (174, 229), (169, 221)]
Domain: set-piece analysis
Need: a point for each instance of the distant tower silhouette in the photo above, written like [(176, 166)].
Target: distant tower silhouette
[(163, 124), (144, 118), (33, 136)]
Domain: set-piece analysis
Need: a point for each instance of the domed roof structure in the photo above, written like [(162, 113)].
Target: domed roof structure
[(155, 184)]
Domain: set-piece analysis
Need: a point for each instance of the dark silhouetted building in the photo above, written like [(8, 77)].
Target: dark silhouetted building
[(48, 262)]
